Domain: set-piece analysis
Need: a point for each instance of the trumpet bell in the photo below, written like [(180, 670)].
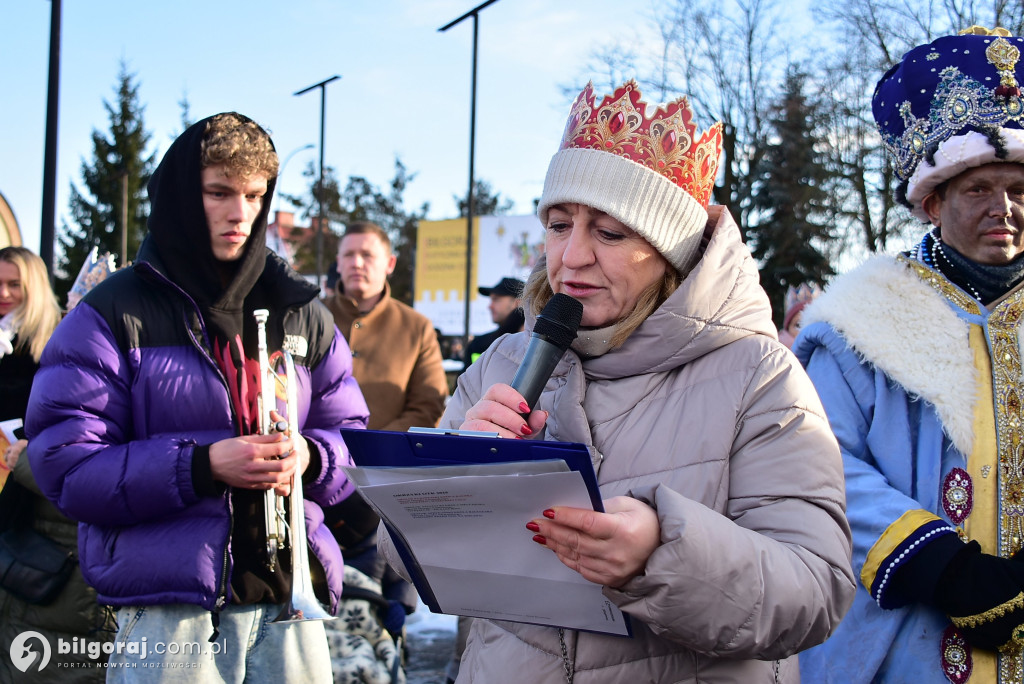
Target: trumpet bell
[(302, 603)]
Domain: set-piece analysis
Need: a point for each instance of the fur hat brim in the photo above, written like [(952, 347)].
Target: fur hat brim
[(956, 155)]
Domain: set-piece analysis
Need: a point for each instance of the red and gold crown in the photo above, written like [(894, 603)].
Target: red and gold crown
[(665, 143)]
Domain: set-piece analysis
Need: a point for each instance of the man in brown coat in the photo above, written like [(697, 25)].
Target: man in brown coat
[(395, 354)]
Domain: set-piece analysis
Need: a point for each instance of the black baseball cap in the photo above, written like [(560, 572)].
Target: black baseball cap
[(333, 275), (509, 287)]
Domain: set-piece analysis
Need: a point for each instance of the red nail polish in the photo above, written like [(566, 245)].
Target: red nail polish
[(524, 407), (549, 514), (540, 539), (526, 430), (532, 526)]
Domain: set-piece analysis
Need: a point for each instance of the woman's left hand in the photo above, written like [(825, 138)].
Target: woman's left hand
[(607, 548)]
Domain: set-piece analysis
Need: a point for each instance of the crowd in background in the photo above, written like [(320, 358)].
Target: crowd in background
[(835, 500)]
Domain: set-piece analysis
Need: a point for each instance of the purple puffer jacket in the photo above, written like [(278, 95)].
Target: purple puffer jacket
[(124, 393)]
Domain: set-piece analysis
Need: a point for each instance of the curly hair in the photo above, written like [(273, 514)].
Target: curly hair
[(240, 145)]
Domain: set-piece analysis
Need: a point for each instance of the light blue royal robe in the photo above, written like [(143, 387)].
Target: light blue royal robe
[(888, 347)]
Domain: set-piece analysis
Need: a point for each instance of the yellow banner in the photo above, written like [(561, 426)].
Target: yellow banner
[(441, 259)]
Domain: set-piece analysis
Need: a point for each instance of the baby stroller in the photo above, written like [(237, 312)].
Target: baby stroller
[(367, 641)]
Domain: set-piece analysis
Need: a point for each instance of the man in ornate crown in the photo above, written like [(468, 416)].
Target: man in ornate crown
[(917, 360)]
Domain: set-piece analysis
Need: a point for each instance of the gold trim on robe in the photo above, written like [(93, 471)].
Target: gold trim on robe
[(996, 461), (982, 524), (895, 534)]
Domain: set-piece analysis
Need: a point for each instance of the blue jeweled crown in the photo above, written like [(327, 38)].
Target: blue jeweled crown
[(950, 87)]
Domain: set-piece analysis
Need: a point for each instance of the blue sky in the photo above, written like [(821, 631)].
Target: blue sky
[(404, 91)]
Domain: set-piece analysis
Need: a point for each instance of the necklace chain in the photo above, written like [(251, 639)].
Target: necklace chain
[(938, 255)]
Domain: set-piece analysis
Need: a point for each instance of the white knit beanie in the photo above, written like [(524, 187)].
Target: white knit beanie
[(653, 174)]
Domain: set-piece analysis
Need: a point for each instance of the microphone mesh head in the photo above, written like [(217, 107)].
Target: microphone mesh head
[(559, 320)]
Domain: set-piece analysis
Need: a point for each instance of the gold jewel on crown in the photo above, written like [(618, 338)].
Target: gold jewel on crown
[(1001, 55), (665, 143)]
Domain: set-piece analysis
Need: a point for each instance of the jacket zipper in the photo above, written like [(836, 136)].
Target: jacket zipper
[(221, 599), (222, 594)]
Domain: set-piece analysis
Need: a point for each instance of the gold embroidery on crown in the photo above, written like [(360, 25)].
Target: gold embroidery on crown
[(1015, 645), (982, 31), (1003, 57), (664, 143)]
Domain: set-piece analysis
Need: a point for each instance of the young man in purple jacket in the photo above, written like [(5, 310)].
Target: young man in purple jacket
[(144, 425)]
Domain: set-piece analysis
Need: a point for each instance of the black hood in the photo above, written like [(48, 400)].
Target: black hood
[(177, 226)]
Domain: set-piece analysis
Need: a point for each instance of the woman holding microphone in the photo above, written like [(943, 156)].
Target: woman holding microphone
[(724, 536)]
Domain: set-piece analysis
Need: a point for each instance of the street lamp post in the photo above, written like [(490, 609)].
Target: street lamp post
[(319, 234), (470, 207), (47, 228)]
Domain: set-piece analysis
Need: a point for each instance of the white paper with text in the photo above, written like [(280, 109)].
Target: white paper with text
[(468, 535)]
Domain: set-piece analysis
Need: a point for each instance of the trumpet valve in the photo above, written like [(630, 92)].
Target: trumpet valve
[(271, 554)]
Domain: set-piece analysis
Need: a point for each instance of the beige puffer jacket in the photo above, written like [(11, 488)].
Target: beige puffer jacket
[(703, 414)]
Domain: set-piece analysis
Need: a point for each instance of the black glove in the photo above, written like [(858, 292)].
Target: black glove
[(980, 593)]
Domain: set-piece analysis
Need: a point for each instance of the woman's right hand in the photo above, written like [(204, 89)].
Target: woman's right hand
[(501, 410)]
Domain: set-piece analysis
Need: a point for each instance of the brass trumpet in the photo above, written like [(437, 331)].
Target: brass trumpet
[(302, 602), (273, 505)]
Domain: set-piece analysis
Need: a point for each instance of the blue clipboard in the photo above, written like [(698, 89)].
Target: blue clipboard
[(440, 448), (373, 448)]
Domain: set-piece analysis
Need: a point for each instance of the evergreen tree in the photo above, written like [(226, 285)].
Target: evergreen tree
[(119, 163), (186, 115), (308, 206), (790, 199), (363, 202), (360, 200)]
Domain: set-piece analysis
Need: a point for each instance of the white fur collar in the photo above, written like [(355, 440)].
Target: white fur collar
[(896, 321)]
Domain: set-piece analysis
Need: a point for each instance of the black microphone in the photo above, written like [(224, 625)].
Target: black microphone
[(553, 332)]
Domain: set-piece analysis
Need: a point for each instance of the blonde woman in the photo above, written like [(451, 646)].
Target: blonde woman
[(29, 313)]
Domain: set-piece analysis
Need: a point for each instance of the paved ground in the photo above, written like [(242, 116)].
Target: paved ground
[(429, 650)]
